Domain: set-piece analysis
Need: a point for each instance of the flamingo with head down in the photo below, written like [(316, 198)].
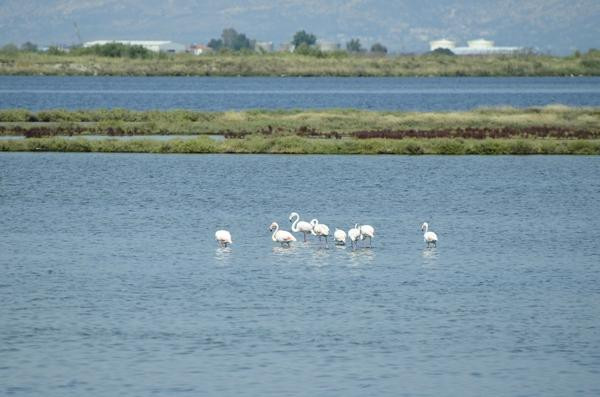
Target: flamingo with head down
[(367, 231), (339, 236), (223, 237), (320, 229), (354, 235)]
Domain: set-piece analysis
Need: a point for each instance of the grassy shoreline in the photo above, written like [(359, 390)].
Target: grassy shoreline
[(301, 145), (546, 130), (540, 122), (287, 64)]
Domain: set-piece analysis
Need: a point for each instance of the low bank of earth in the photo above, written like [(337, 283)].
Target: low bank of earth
[(545, 130), (300, 145), (286, 64)]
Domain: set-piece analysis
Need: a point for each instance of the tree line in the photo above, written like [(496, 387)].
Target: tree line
[(112, 50), (302, 42)]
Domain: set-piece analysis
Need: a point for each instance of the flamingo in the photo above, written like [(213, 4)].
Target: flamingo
[(354, 235), (319, 229), (281, 236), (223, 237), (300, 226), (339, 236), (429, 237), (367, 231)]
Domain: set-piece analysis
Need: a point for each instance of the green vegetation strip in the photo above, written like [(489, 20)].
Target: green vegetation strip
[(551, 121), (300, 145), (289, 64)]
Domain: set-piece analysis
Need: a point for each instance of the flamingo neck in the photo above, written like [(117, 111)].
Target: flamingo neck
[(275, 232), (295, 223), (426, 226)]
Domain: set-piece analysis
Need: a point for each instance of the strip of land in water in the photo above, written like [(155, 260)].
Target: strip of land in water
[(288, 64), (299, 145), (544, 130)]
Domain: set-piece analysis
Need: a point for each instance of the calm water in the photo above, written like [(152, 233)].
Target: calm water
[(215, 93), (121, 137), (111, 283)]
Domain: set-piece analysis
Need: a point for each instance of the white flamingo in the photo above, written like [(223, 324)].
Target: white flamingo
[(339, 236), (223, 237), (354, 235), (367, 231), (429, 237), (300, 226), (281, 236), (319, 229)]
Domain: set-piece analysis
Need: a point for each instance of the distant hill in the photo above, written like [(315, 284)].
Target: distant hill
[(553, 26)]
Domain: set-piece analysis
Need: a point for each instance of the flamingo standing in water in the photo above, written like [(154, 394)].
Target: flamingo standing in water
[(339, 236), (223, 237), (429, 237), (367, 231), (281, 236), (300, 226), (354, 235), (319, 229)]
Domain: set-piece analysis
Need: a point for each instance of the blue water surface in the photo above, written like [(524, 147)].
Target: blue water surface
[(234, 93), (111, 282)]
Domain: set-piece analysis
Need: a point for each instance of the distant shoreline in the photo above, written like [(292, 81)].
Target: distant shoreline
[(286, 64)]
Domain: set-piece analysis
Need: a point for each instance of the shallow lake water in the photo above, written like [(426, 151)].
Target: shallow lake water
[(111, 282), (226, 93), (217, 137)]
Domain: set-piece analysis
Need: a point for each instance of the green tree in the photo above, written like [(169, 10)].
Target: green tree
[(354, 46), (9, 49), (301, 37), (304, 49), (29, 47), (231, 39), (442, 51), (378, 48), (55, 50), (215, 44), (115, 50)]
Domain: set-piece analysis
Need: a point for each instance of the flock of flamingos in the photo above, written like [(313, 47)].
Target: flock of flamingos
[(356, 234)]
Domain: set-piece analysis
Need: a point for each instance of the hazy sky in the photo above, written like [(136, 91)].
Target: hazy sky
[(549, 25)]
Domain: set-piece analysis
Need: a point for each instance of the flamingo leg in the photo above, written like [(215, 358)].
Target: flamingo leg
[(304, 236)]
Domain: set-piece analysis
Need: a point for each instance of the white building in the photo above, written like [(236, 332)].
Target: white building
[(264, 46), (442, 43), (484, 47), (199, 49), (152, 45), (327, 46)]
